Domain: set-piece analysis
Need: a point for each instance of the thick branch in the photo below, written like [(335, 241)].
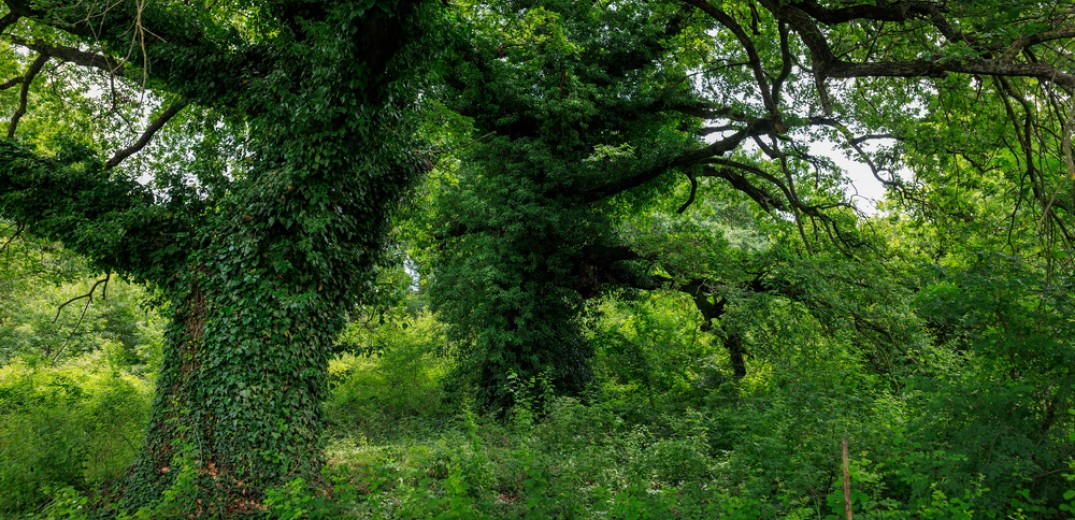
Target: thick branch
[(11, 83), (920, 68), (752, 53), (1019, 44), (690, 198), (24, 93), (694, 157), (888, 12), (764, 199), (803, 17), (72, 55), (8, 20)]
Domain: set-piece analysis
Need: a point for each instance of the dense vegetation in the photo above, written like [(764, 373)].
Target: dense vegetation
[(537, 258)]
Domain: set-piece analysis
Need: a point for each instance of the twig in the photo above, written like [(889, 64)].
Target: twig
[(434, 156), (88, 297), (466, 144), (18, 231)]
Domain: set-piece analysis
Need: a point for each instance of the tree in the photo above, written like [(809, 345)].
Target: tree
[(586, 112), (261, 250)]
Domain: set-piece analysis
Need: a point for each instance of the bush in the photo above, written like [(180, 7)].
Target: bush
[(399, 379), (74, 425)]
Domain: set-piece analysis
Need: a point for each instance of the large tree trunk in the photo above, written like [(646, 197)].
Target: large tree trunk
[(256, 308), (238, 406)]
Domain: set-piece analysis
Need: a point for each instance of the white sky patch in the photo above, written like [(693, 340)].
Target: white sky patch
[(864, 190)]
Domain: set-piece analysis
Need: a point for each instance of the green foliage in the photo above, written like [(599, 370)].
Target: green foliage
[(401, 380), (65, 503), (258, 221), (78, 424), (295, 500), (552, 82), (39, 277), (715, 357)]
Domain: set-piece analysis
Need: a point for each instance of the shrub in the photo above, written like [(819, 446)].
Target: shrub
[(74, 425)]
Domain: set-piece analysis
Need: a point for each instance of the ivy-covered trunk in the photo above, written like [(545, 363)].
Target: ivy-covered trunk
[(238, 403), (256, 307)]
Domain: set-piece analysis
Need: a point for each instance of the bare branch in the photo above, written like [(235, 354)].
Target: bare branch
[(152, 129), (88, 297)]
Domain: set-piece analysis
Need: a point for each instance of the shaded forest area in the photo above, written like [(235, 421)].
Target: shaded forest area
[(537, 259)]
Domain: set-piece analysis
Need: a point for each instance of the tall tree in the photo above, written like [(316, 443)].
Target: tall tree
[(260, 254), (586, 110)]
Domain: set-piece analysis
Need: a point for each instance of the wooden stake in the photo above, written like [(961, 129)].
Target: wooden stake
[(847, 480)]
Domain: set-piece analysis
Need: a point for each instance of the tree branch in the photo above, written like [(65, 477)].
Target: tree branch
[(8, 20), (212, 65), (72, 55), (24, 93), (11, 83), (690, 198), (432, 157), (110, 218), (152, 129), (752, 54), (19, 228), (803, 17), (88, 297), (764, 199), (920, 68), (1033, 39)]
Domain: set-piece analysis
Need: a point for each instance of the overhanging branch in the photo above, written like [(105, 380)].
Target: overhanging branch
[(72, 55), (150, 131), (24, 93), (88, 297)]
